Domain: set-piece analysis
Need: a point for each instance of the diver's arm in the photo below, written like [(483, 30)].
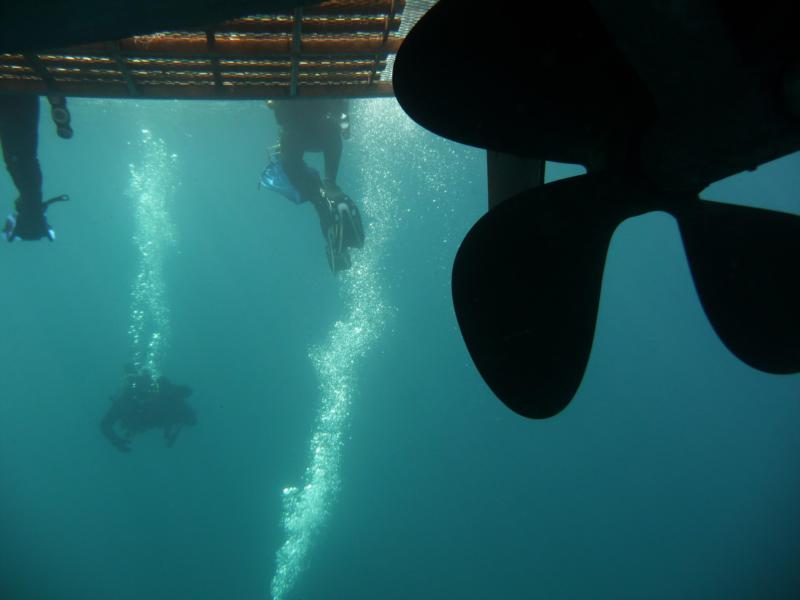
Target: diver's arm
[(171, 434)]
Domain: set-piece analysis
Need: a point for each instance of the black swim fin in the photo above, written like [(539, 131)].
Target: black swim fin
[(350, 219), (335, 251), (338, 261)]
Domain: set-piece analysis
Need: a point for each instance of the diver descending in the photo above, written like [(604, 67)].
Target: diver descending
[(19, 123), (148, 400), (143, 404), (316, 126), (307, 506)]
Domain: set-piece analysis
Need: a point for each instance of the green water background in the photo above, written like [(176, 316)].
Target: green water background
[(673, 474)]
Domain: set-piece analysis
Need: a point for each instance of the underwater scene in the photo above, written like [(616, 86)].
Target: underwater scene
[(331, 437)]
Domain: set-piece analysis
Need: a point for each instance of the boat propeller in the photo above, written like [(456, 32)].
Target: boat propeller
[(527, 278)]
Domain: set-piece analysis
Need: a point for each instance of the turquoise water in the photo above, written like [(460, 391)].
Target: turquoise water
[(346, 447)]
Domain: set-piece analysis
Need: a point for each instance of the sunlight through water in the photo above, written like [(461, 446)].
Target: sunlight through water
[(152, 188)]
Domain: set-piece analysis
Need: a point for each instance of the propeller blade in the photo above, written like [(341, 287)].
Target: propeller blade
[(507, 175), (744, 262), (526, 288), (557, 89)]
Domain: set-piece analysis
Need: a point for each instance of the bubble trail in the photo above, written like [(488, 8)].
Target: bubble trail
[(382, 128), (151, 189)]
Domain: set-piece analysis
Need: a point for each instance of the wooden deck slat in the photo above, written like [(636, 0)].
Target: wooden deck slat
[(195, 46), (311, 26), (388, 24), (225, 64), (353, 7)]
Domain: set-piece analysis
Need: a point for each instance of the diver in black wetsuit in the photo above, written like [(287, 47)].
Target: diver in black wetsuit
[(19, 127), (312, 126), (319, 125), (144, 404)]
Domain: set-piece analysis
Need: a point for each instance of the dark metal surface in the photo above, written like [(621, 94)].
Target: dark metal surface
[(41, 24), (657, 100)]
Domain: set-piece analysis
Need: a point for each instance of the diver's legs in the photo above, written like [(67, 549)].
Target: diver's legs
[(292, 150), (331, 146), (19, 129), (332, 150)]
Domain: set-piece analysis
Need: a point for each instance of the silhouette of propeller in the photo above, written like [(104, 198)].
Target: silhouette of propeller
[(744, 263), (527, 277)]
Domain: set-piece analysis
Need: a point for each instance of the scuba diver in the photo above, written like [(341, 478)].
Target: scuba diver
[(19, 134), (144, 403), (317, 125)]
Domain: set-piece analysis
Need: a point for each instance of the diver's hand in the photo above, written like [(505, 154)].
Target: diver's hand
[(170, 435), (122, 445)]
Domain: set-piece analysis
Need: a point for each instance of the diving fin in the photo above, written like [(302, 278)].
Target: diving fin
[(8, 227), (274, 178), (350, 220), (335, 251), (338, 257)]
